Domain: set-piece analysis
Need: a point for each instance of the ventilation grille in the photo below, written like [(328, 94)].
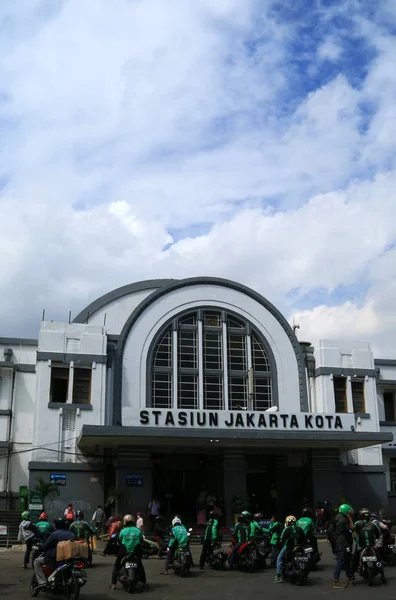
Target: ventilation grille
[(353, 457), (69, 420)]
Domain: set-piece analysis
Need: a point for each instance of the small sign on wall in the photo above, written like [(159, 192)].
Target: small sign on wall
[(3, 530), (58, 479), (134, 480)]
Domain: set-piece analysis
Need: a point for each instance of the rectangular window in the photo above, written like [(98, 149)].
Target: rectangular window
[(162, 390), (340, 396), (238, 393), (163, 354), (82, 385), (187, 349), (389, 406), (59, 383), (392, 473), (212, 320), (260, 360), (212, 350), (187, 396), (237, 352), (358, 397), (213, 393), (262, 393)]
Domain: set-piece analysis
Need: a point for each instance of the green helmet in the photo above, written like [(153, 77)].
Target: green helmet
[(25, 515), (345, 509)]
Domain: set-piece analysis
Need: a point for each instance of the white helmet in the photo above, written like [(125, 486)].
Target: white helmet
[(176, 521)]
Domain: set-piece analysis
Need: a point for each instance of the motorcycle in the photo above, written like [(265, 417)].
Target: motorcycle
[(35, 553), (182, 561), (246, 557), (217, 558), (65, 580), (370, 565), (389, 551), (298, 564), (129, 574), (263, 550), (150, 548)]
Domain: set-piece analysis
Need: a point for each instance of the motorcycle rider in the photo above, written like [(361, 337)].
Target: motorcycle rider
[(275, 530), (210, 537), (291, 537), (384, 534), (131, 539), (367, 534), (343, 528), (43, 527), (241, 535), (60, 534), (83, 531), (161, 530), (26, 534), (178, 539), (308, 526)]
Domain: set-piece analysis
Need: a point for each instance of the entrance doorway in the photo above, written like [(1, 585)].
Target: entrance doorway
[(178, 480)]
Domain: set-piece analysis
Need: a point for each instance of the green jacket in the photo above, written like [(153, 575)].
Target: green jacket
[(291, 536), (254, 529), (179, 537), (211, 531), (275, 530), (43, 527), (241, 534), (131, 537), (82, 530), (307, 525)]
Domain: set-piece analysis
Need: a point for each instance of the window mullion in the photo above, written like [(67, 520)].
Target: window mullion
[(174, 368), (250, 372), (200, 366), (225, 366)]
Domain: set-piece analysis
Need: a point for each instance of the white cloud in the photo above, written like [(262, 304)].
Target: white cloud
[(125, 124)]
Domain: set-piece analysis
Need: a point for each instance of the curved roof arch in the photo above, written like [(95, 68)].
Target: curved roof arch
[(125, 290)]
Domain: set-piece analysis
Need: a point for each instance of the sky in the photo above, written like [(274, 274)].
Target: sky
[(250, 140)]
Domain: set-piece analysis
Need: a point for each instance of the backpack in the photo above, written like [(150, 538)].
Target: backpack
[(69, 516)]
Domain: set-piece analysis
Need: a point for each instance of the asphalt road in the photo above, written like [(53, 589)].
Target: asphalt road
[(206, 585)]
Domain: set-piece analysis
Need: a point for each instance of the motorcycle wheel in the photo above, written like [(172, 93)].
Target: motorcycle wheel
[(392, 562), (370, 576), (130, 586), (183, 570), (74, 590), (33, 587), (301, 578)]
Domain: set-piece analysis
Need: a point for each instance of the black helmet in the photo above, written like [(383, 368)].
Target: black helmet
[(364, 514), (242, 518), (60, 523), (212, 514), (159, 518), (79, 515), (258, 517), (307, 512)]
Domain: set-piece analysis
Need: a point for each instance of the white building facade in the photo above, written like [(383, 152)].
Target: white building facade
[(170, 385)]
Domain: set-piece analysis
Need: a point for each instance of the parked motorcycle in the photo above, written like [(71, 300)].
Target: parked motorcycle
[(370, 565), (217, 558), (389, 551), (65, 580), (35, 553), (263, 550), (246, 557), (150, 548), (298, 564), (129, 574)]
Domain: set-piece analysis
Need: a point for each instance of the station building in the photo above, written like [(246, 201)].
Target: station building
[(164, 386)]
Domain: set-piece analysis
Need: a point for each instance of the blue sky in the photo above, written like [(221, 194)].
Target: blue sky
[(165, 138)]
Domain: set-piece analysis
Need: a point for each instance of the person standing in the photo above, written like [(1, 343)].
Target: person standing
[(343, 528), (210, 538), (140, 522), (275, 530), (98, 520), (154, 510), (69, 514), (26, 534)]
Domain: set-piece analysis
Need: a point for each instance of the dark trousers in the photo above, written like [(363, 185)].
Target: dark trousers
[(170, 553), (207, 549), (274, 554), (152, 519), (234, 553), (343, 563), (29, 544), (122, 553)]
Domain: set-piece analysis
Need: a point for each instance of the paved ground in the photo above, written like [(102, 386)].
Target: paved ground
[(206, 585)]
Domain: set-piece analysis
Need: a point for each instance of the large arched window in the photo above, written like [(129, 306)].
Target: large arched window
[(210, 360)]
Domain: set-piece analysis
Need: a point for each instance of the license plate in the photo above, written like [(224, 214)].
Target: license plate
[(308, 550), (369, 559), (302, 559), (131, 566), (393, 546), (80, 573)]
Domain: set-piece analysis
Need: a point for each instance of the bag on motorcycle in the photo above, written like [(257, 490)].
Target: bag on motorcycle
[(71, 549)]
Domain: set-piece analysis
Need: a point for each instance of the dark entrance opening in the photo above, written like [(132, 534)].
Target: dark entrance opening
[(261, 473), (178, 480)]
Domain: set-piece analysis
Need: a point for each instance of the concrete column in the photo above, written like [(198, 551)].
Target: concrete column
[(326, 475), (234, 480)]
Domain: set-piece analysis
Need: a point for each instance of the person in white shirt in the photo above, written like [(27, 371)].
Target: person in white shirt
[(154, 511), (140, 522)]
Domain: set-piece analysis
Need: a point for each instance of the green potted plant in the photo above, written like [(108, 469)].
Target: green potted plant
[(239, 503)]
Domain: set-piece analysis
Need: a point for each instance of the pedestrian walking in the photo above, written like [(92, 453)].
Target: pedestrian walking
[(26, 534), (154, 508), (98, 520)]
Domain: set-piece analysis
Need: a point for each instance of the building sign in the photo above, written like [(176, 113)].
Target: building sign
[(58, 479), (3, 530), (35, 501), (134, 480), (246, 420)]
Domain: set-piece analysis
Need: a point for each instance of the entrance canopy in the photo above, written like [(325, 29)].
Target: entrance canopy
[(159, 437)]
